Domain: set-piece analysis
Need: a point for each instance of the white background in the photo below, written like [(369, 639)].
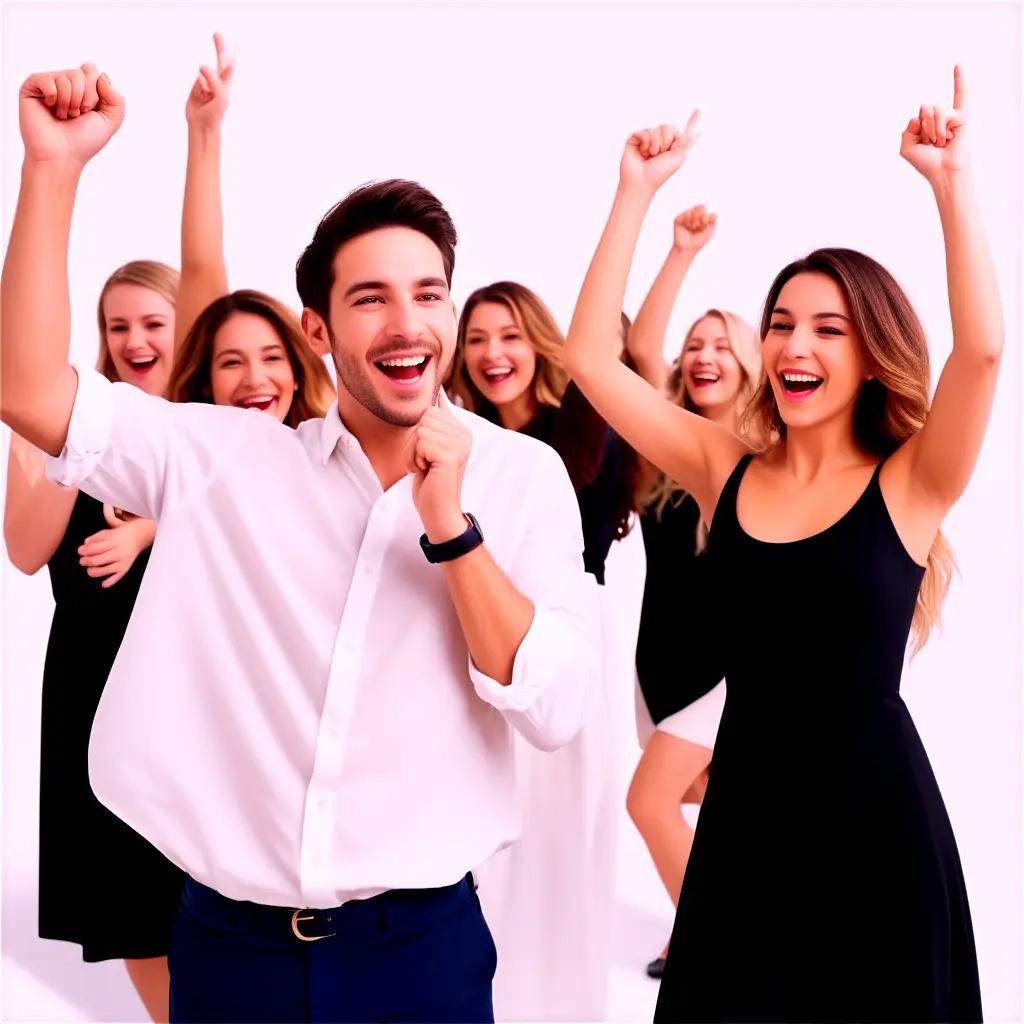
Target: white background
[(515, 116)]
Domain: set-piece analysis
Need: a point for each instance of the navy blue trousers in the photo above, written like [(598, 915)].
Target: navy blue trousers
[(406, 955)]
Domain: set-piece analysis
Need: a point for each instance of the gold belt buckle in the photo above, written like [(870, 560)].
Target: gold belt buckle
[(306, 938)]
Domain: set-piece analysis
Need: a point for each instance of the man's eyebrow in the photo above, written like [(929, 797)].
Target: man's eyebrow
[(381, 286), (364, 286)]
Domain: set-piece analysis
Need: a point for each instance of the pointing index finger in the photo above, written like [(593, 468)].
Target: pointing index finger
[(690, 126), (959, 89), (222, 55)]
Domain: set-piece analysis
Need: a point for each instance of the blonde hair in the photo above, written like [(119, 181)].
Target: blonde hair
[(190, 375), (534, 319), (892, 406), (746, 348), (151, 274)]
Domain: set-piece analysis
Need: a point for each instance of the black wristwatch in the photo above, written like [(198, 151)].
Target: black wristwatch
[(457, 546)]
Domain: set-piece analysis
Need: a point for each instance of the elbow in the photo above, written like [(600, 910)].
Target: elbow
[(22, 559), (992, 355), (554, 738)]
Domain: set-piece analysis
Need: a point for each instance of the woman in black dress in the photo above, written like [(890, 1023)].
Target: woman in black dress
[(678, 657), (101, 885), (553, 889), (845, 900)]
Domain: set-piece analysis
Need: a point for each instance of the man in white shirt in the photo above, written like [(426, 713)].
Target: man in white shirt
[(311, 710)]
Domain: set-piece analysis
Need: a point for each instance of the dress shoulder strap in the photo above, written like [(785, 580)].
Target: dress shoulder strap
[(726, 507)]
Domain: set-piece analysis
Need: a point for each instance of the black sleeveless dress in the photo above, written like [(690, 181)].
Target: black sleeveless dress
[(101, 884), (678, 653), (824, 882)]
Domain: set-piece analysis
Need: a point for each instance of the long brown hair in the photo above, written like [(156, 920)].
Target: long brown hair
[(190, 375), (892, 406), (151, 274), (534, 319)]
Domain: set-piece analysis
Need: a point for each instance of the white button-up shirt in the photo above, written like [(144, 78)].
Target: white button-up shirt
[(293, 717)]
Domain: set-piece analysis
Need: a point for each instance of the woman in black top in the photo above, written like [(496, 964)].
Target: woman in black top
[(845, 900), (553, 890), (101, 885), (679, 650)]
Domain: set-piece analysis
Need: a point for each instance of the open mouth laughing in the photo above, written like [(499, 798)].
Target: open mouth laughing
[(404, 372), (142, 364), (498, 375), (261, 402), (798, 386)]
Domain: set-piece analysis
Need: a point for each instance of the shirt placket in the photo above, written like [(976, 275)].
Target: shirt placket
[(322, 861)]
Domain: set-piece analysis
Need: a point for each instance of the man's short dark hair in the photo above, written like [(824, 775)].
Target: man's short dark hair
[(382, 204)]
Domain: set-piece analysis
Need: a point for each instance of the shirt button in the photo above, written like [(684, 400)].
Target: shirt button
[(368, 570), (321, 802)]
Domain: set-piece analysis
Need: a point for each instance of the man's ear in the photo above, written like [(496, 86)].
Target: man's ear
[(315, 330)]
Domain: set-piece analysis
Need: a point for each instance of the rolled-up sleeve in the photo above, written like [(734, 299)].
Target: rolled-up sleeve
[(136, 451), (556, 665)]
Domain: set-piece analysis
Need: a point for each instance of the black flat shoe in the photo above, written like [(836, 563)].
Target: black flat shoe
[(656, 968)]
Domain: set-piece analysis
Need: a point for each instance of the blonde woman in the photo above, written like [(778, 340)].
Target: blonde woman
[(679, 651), (96, 557), (549, 897), (824, 881)]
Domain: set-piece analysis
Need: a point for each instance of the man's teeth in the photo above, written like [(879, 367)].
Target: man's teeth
[(796, 378), (404, 361)]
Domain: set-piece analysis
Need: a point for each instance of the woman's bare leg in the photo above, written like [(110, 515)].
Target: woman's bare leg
[(152, 981), (671, 772)]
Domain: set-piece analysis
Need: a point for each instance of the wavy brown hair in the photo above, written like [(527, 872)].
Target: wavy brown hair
[(190, 375), (534, 319), (151, 274), (892, 406)]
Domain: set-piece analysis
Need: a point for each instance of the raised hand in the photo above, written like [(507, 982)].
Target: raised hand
[(437, 452), (935, 142), (693, 229), (68, 115), (653, 155), (211, 91)]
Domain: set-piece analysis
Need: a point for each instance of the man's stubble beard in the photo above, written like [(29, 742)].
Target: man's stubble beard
[(355, 379)]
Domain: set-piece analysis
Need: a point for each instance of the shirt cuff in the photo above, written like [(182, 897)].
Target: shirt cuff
[(526, 686), (89, 431)]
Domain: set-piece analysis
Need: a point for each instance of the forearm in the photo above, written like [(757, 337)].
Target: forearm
[(593, 338), (974, 304), (35, 316), (203, 273), (646, 339), (36, 511), (493, 615)]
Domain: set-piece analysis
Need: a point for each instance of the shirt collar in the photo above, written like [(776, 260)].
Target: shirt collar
[(333, 430)]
